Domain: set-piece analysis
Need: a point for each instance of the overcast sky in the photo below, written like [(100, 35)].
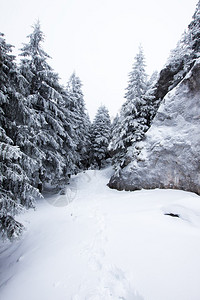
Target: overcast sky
[(99, 38)]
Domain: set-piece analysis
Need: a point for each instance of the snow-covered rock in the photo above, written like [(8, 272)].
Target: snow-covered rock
[(169, 157)]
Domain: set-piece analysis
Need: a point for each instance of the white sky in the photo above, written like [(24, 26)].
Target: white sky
[(99, 38)]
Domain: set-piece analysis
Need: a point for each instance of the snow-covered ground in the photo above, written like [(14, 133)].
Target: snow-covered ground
[(106, 245)]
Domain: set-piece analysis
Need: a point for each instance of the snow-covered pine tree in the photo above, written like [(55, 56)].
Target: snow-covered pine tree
[(115, 122), (194, 31), (114, 133), (152, 103), (100, 138), (86, 157), (182, 58), (16, 190), (133, 120), (52, 135), (80, 121)]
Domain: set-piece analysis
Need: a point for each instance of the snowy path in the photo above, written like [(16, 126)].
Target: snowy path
[(106, 245)]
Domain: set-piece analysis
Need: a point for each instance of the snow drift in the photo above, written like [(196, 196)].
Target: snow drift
[(169, 155), (105, 245)]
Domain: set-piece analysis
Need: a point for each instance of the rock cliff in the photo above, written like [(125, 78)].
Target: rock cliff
[(169, 156)]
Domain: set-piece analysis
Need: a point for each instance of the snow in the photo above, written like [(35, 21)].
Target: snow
[(94, 243)]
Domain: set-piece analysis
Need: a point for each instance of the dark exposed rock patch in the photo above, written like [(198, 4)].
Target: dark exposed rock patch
[(172, 215), (166, 79)]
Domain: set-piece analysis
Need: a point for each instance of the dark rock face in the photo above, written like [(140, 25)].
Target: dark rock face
[(169, 157), (166, 80)]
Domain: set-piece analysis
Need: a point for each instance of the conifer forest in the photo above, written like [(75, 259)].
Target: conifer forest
[(46, 133)]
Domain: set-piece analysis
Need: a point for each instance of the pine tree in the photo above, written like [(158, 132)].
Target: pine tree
[(136, 105), (80, 120), (134, 116), (52, 136), (194, 31), (183, 57), (86, 157), (152, 102), (16, 189), (100, 138)]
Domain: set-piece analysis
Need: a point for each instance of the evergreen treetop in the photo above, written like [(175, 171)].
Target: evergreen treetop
[(100, 138), (79, 119)]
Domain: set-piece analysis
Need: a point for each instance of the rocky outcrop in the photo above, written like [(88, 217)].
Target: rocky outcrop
[(166, 79), (169, 157)]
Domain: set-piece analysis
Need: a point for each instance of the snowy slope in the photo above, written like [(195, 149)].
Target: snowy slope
[(106, 244)]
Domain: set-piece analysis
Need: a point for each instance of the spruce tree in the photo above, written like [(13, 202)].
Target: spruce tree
[(134, 115), (194, 31), (16, 189), (183, 57), (80, 120), (152, 102), (100, 138), (52, 136), (86, 157)]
